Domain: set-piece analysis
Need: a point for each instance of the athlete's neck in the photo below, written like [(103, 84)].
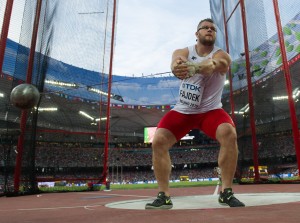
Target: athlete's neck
[(202, 50)]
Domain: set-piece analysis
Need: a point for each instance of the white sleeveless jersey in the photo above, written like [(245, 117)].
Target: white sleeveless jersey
[(200, 93)]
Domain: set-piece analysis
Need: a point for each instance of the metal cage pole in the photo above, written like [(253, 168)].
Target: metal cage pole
[(24, 113), (250, 92), (287, 75), (105, 158), (5, 28)]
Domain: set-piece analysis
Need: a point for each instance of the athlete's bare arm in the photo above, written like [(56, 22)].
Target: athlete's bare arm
[(179, 57), (218, 63), (222, 61)]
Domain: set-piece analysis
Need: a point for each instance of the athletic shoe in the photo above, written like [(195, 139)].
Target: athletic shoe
[(161, 202), (227, 198)]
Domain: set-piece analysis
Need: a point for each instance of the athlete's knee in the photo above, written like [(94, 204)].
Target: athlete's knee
[(226, 133), (163, 140), (159, 141)]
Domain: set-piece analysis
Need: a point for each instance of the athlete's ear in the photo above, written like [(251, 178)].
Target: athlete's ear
[(196, 34)]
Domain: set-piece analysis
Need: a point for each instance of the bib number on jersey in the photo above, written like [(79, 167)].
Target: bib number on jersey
[(190, 94)]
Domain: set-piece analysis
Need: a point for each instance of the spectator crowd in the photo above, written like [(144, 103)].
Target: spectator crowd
[(133, 162)]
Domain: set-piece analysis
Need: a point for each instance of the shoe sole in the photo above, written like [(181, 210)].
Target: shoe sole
[(163, 207), (224, 204)]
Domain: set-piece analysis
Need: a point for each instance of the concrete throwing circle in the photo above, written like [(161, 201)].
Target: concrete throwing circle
[(211, 201)]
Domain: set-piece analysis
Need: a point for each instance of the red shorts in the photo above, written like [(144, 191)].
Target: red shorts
[(181, 124)]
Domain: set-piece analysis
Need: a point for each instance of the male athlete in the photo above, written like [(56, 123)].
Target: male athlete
[(202, 69)]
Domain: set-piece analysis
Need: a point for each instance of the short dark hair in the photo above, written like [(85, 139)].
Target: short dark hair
[(205, 20)]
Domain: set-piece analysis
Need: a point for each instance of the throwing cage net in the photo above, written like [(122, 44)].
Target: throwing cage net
[(64, 49)]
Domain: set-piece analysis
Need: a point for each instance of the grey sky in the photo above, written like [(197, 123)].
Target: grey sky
[(148, 31)]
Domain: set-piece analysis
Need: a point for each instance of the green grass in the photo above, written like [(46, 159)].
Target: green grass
[(182, 184), (126, 186), (172, 185)]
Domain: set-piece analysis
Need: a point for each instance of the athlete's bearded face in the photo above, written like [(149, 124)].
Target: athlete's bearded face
[(206, 34), (207, 41)]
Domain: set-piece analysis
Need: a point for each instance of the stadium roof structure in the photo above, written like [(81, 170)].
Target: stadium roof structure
[(127, 121)]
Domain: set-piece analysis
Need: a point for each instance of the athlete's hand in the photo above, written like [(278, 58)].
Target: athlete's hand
[(207, 67), (179, 68)]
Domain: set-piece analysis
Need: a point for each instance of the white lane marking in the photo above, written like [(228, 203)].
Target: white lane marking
[(217, 189)]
